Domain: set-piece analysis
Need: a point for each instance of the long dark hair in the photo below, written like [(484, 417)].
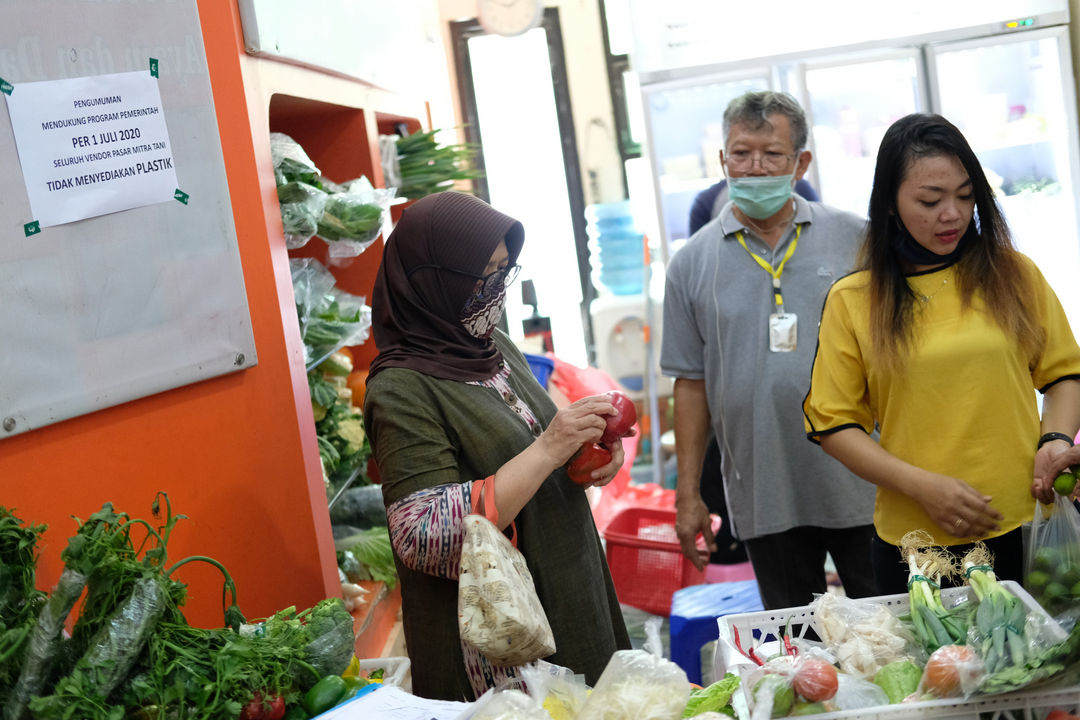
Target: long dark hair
[(990, 262)]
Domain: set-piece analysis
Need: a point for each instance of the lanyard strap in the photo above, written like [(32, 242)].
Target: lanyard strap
[(775, 272)]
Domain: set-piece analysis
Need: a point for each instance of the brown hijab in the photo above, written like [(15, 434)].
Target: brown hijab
[(416, 314)]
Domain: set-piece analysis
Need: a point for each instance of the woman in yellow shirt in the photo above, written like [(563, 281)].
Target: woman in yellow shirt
[(938, 343)]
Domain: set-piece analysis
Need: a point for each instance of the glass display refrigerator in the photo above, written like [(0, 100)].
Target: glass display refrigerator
[(1005, 81)]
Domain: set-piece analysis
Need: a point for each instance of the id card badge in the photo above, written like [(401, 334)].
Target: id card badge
[(783, 332)]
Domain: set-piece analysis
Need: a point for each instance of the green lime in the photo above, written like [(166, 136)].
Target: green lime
[(1075, 590), (1046, 558), (1065, 483), (1036, 580), (1055, 591)]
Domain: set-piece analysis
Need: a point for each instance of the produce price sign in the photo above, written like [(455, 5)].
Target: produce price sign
[(91, 146)]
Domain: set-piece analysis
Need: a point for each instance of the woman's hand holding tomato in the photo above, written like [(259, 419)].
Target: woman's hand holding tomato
[(620, 423), (577, 424), (596, 463)]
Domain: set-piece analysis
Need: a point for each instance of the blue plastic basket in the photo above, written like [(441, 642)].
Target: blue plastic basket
[(541, 367)]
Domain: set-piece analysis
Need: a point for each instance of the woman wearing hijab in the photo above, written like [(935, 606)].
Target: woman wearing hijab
[(450, 402)]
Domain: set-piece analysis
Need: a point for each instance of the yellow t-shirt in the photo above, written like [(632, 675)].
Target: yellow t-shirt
[(964, 404)]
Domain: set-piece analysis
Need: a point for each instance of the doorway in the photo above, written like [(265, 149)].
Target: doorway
[(516, 108)]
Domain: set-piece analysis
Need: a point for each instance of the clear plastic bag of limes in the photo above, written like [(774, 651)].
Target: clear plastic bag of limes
[(1052, 561)]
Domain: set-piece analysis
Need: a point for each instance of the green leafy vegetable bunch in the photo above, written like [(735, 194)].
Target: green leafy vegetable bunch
[(20, 600), (427, 167)]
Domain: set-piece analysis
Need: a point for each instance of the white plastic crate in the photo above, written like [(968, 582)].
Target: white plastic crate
[(396, 670), (767, 627)]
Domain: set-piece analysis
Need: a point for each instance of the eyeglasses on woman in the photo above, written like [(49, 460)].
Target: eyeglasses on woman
[(488, 283)]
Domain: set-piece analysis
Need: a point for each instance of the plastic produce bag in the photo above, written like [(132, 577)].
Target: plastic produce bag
[(353, 217), (854, 693), (329, 317), (311, 284), (505, 704), (115, 647), (801, 680), (302, 207), (291, 163), (556, 688), (637, 684), (865, 636), (388, 155), (332, 640), (1052, 564), (112, 652), (299, 190)]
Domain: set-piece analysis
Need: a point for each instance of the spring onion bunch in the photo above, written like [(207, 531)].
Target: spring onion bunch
[(934, 625), (1001, 616), (1015, 653), (427, 167)]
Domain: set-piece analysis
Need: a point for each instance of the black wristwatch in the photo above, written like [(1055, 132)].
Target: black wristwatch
[(1047, 437)]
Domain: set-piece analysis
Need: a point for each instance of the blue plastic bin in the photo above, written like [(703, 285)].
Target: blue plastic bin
[(541, 367), (694, 611)]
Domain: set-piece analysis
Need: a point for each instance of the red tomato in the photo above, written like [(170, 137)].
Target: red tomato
[(1059, 714), (589, 458), (254, 709), (619, 424), (946, 667), (259, 708), (815, 679)]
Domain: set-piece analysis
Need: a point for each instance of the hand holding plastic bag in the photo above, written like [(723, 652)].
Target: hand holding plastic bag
[(1052, 565)]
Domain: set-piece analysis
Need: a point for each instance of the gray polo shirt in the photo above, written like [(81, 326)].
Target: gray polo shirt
[(716, 327)]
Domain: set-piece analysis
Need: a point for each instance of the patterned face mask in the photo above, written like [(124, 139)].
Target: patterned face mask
[(483, 310)]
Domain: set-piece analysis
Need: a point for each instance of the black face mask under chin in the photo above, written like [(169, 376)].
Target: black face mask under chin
[(910, 251)]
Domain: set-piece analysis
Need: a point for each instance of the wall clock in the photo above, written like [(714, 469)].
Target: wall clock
[(509, 17)]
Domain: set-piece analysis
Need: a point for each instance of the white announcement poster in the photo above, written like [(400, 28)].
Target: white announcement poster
[(91, 146)]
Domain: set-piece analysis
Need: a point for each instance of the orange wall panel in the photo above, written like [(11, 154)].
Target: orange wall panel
[(236, 453)]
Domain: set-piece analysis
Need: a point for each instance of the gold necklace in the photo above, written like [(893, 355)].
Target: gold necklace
[(928, 298)]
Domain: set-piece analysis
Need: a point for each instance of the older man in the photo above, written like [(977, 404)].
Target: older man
[(741, 309)]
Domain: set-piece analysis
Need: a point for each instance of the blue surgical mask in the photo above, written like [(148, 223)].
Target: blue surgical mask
[(760, 197)]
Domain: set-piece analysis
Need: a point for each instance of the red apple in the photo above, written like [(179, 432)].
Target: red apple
[(620, 424), (590, 457)]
